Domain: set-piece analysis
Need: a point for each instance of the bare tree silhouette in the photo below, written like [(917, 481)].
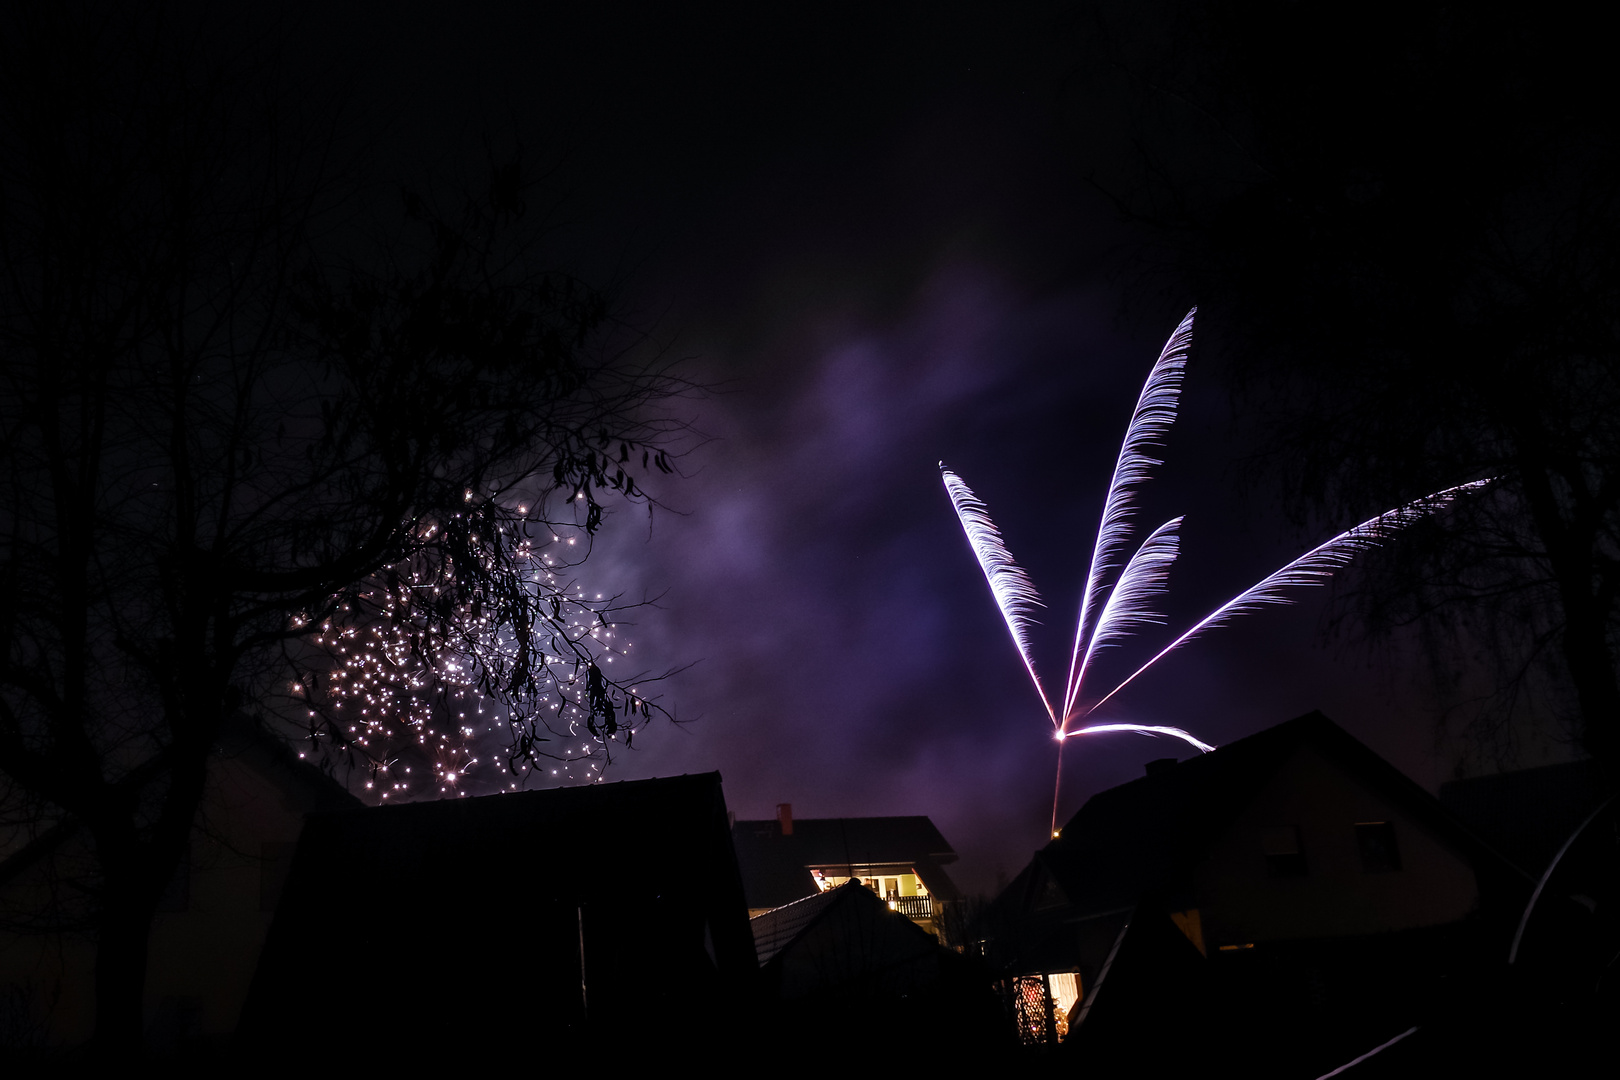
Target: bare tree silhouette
[(233, 423)]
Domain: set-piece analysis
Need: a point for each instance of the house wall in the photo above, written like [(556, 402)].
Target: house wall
[(202, 952), (1241, 901), (202, 958)]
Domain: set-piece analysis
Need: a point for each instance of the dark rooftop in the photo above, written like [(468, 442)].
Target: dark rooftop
[(501, 906), (1528, 814), (776, 868), (1138, 836), (774, 929)]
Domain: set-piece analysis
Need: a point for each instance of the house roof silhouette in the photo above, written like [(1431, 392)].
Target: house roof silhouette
[(1141, 836), (1291, 891), (1528, 813), (547, 910)]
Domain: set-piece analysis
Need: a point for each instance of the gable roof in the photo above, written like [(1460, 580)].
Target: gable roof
[(851, 920), (854, 980), (776, 868), (1142, 836), (568, 842), (846, 842), (776, 928)]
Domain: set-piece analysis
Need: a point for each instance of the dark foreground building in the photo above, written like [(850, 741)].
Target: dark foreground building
[(539, 926), (847, 973), (1278, 905), (1527, 814)]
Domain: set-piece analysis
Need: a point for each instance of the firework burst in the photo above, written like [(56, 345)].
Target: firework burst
[(1120, 594), (429, 682)]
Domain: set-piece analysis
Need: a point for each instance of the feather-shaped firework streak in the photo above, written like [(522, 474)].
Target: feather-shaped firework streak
[(1015, 594), (1112, 607), (1150, 424), (1144, 729), (1314, 567), (1144, 577)]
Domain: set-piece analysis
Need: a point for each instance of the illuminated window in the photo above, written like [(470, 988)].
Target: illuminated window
[(1379, 852), (1285, 855)]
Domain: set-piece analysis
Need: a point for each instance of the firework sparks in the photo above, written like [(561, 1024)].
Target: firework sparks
[(435, 689), (1314, 567), (1141, 729), (1150, 424), (1115, 605), (1015, 594)]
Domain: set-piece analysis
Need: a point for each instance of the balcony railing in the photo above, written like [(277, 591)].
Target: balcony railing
[(914, 907)]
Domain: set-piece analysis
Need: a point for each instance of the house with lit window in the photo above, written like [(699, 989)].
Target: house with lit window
[(1290, 891), (901, 859)]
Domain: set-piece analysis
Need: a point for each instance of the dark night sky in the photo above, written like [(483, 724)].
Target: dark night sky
[(873, 233)]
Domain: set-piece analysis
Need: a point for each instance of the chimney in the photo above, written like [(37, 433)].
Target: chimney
[(784, 814), (1160, 766)]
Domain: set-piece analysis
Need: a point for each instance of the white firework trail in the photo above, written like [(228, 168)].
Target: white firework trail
[(1127, 604), (1015, 594), (1143, 578), (1141, 729), (1314, 567), (1150, 425)]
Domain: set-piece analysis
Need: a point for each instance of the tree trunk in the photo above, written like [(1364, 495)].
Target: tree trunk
[(136, 872), (124, 928), (1591, 668), (121, 954)]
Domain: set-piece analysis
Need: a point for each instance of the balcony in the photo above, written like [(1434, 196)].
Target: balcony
[(913, 907)]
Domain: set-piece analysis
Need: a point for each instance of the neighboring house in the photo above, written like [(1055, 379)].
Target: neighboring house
[(901, 859), (207, 935), (1288, 890), (570, 920), (1527, 814)]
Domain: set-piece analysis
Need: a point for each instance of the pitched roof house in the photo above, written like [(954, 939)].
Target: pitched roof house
[(1292, 877), (902, 859)]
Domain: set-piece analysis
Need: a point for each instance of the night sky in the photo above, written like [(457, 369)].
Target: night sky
[(873, 236)]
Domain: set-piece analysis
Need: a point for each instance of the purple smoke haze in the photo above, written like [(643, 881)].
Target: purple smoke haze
[(873, 237)]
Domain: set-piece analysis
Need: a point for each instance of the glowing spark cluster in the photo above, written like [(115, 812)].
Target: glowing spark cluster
[(1118, 601), (438, 682)]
